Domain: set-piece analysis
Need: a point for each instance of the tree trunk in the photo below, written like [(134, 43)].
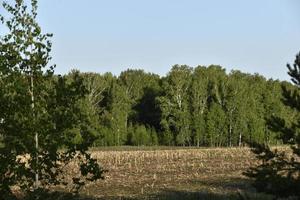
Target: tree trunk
[(230, 134), (36, 137), (240, 140), (118, 137)]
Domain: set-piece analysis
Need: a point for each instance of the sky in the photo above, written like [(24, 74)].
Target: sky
[(254, 36)]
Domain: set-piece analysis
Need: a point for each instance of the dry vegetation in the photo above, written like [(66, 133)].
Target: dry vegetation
[(167, 173), (174, 174)]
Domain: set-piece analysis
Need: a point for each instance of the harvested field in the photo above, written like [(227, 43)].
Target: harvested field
[(174, 174)]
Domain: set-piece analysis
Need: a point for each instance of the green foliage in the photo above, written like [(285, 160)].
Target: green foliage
[(199, 104), (153, 136), (174, 104), (140, 136), (216, 127), (116, 114), (38, 112), (279, 173), (187, 107), (204, 106), (42, 113)]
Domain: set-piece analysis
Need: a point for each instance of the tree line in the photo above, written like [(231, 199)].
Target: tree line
[(47, 121), (202, 106)]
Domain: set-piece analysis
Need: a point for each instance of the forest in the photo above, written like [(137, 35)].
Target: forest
[(61, 135), (202, 106)]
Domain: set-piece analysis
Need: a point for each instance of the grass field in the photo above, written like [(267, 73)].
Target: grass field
[(178, 173)]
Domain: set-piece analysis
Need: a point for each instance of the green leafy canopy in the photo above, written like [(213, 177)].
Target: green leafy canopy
[(38, 110)]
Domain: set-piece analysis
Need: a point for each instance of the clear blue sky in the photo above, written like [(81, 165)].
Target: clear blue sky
[(113, 35)]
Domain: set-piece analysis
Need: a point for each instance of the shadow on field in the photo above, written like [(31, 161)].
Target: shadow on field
[(46, 195), (236, 189), (232, 184), (188, 195), (163, 195)]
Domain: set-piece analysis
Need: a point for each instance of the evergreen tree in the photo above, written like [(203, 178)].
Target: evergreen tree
[(279, 173)]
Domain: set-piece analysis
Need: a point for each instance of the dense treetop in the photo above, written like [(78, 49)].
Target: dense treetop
[(202, 106)]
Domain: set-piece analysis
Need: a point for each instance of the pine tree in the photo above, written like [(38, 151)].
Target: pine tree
[(279, 173)]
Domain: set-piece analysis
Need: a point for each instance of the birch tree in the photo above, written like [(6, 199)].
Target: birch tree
[(38, 112)]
